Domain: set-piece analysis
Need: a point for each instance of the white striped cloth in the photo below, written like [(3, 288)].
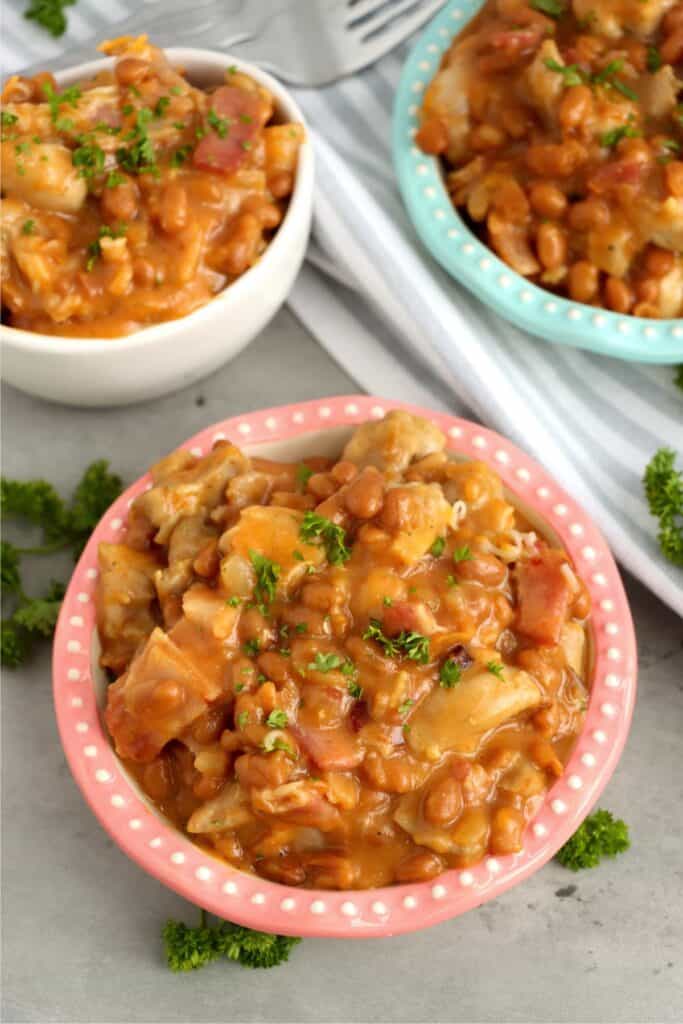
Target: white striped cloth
[(593, 422)]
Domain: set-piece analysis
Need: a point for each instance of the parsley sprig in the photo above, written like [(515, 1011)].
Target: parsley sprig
[(188, 948), (332, 537), (600, 835), (36, 503), (663, 485), (49, 14), (267, 575), (407, 644)]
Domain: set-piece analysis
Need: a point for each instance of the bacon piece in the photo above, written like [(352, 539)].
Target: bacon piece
[(617, 172), (331, 749), (225, 149), (542, 599)]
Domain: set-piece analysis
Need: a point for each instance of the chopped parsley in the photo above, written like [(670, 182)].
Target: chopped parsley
[(606, 77), (94, 250), (451, 580), (387, 602), (407, 644), (161, 105), (571, 73), (277, 719), (55, 100), (114, 179), (242, 719), (28, 227), (267, 575), (297, 556), (180, 156), (331, 536), (450, 674), (553, 8), (405, 707), (233, 601), (88, 157), (325, 662), (437, 547), (301, 627), (251, 647), (139, 157), (462, 554), (7, 119), (354, 689), (495, 668), (272, 742), (303, 475), (221, 125), (615, 135), (653, 59)]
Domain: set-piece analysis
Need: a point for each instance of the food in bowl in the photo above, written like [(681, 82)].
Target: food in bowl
[(342, 673), (134, 197), (560, 126)]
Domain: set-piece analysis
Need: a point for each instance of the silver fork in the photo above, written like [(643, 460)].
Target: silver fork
[(303, 42)]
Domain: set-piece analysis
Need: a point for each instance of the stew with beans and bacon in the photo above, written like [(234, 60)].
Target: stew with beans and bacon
[(342, 674), (134, 197), (560, 123)]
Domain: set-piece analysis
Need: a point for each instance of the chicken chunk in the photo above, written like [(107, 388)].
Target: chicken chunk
[(42, 175), (414, 515), (543, 85), (274, 532), (156, 699), (191, 491), (613, 18), (125, 602), (392, 443), (447, 97), (458, 719), (230, 809)]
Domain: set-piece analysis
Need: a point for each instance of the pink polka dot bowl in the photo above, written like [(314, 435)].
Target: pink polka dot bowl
[(149, 839)]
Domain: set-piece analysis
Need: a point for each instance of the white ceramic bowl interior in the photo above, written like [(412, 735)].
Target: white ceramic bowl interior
[(171, 355)]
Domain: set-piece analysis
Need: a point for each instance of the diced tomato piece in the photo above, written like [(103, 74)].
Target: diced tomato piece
[(542, 599), (238, 119), (331, 749)]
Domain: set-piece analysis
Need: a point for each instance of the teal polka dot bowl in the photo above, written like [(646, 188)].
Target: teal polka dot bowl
[(472, 263)]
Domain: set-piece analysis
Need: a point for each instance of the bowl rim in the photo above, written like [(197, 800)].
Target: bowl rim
[(173, 859), (476, 266), (211, 60)]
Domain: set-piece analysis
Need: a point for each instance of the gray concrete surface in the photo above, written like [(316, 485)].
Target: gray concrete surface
[(81, 922)]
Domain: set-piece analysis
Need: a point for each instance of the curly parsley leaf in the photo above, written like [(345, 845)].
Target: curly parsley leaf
[(600, 835), (663, 485), (188, 949), (331, 536), (267, 575), (407, 644), (10, 557), (49, 14)]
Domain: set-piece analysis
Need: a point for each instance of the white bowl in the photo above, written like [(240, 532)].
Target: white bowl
[(171, 355)]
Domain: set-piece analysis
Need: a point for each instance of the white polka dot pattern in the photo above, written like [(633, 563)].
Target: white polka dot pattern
[(255, 901)]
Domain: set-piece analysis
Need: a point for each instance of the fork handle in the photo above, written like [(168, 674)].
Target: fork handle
[(162, 19)]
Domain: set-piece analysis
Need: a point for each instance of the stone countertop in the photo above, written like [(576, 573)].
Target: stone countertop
[(82, 922)]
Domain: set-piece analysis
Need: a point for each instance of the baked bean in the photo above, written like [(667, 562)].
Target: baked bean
[(254, 626), (281, 184), (42, 83), (212, 762), (671, 49), (511, 202), (120, 203), (583, 281), (207, 787), (443, 802), (485, 569), (646, 309), (432, 136), (322, 485), (547, 200), (555, 159), (551, 245), (547, 719), (485, 137), (18, 90), (543, 754), (618, 295), (507, 826), (419, 868), (588, 214), (319, 596), (173, 212), (285, 870), (658, 262), (365, 494), (207, 561), (209, 726), (673, 175), (131, 70), (344, 472), (143, 272), (647, 289), (157, 778), (576, 107), (241, 250)]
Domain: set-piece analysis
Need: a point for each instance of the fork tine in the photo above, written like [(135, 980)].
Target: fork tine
[(399, 11), (380, 38), (362, 9)]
